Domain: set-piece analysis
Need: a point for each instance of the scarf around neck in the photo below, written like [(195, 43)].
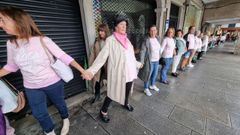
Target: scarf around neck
[(122, 38)]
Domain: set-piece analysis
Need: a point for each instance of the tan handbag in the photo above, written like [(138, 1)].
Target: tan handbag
[(21, 101)]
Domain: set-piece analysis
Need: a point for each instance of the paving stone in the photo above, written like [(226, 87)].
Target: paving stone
[(155, 122), (122, 124), (235, 119), (189, 119), (195, 133), (154, 102), (84, 124), (214, 128)]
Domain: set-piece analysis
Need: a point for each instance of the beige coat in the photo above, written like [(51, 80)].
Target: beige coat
[(116, 78), (93, 55)]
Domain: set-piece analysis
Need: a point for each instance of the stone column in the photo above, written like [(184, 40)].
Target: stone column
[(160, 10), (86, 8)]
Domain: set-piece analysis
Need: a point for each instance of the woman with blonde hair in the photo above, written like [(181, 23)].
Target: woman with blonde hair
[(25, 52), (168, 51)]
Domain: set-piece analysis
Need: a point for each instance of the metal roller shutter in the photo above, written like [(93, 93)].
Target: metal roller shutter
[(59, 20)]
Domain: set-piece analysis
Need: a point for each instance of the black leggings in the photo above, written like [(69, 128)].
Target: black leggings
[(200, 54), (97, 88), (107, 100)]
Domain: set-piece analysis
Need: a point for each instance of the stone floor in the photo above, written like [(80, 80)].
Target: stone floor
[(204, 100)]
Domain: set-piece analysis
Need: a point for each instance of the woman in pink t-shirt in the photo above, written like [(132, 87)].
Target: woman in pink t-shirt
[(25, 52)]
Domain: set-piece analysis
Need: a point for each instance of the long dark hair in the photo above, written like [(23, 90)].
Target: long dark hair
[(24, 23)]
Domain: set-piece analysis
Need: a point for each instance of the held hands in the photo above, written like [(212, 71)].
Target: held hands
[(139, 65), (87, 75)]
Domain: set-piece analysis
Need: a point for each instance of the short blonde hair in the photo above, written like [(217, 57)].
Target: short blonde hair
[(168, 30)]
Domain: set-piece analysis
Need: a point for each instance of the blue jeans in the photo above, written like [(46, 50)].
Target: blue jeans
[(37, 99), (166, 64), (152, 75)]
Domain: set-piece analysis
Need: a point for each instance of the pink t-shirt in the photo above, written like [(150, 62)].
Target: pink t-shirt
[(167, 48), (191, 40), (33, 62)]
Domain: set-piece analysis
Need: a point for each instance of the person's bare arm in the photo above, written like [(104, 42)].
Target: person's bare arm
[(77, 66), (3, 72)]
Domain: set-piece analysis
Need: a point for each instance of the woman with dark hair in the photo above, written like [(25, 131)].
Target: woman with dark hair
[(168, 51), (25, 52), (180, 50), (149, 57), (103, 33), (122, 67), (190, 42)]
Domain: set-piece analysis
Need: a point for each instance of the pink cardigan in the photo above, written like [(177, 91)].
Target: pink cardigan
[(33, 61)]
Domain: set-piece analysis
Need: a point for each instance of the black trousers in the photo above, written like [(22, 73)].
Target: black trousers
[(97, 84), (97, 88), (107, 100), (200, 54)]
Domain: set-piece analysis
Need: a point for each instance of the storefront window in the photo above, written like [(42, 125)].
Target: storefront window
[(139, 12)]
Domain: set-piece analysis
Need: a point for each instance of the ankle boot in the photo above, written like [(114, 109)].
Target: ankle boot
[(65, 127), (104, 118)]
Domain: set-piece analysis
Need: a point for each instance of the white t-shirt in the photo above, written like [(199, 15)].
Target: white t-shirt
[(191, 40), (155, 49), (167, 48), (198, 44)]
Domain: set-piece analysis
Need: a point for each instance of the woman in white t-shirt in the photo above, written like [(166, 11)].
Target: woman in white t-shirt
[(149, 57), (198, 45), (168, 51)]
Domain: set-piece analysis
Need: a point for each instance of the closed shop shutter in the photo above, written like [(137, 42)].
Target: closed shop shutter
[(61, 21)]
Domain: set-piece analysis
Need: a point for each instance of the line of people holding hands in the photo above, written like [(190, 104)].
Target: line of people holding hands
[(112, 58)]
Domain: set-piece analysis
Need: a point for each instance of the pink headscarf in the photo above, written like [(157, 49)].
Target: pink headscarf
[(122, 38)]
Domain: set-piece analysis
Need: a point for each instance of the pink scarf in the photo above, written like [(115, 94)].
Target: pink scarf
[(122, 38)]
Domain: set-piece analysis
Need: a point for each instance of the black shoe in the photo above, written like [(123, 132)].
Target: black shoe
[(165, 82), (104, 118), (182, 69), (128, 107), (174, 74)]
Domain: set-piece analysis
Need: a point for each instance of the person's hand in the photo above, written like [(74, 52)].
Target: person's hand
[(87, 75), (139, 65)]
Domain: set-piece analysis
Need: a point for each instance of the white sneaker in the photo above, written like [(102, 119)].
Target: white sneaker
[(51, 133), (154, 87), (65, 127), (190, 65), (147, 92)]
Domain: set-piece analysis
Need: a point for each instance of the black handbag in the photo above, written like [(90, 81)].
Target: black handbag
[(161, 61)]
